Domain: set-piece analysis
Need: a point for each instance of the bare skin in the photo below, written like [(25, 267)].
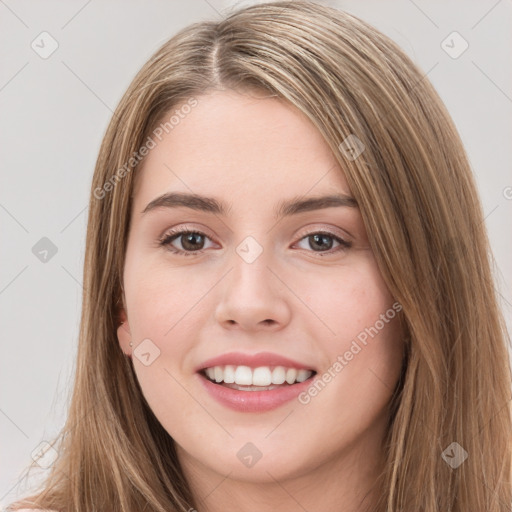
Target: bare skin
[(300, 299)]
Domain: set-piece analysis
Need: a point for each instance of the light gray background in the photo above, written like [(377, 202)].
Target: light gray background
[(54, 113)]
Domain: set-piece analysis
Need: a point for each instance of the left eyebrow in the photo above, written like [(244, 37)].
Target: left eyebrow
[(283, 209)]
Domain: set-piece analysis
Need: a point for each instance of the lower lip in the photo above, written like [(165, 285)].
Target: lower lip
[(254, 401)]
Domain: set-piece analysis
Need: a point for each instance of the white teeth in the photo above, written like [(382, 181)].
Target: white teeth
[(229, 374), (302, 375), (243, 375), (278, 375), (291, 374), (261, 376)]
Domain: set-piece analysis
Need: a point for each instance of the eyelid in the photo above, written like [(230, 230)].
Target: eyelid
[(179, 228), (319, 227), (305, 231)]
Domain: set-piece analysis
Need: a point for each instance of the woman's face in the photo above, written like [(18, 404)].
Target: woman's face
[(259, 283)]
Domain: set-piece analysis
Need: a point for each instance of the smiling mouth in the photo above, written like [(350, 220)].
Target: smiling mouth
[(262, 378)]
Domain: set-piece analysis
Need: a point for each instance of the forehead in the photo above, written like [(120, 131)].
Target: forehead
[(240, 147)]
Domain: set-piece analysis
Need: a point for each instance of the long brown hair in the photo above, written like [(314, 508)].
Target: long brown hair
[(416, 193)]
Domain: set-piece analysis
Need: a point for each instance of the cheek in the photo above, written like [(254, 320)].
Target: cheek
[(362, 348), (161, 297), (161, 310), (346, 300), (355, 323), (336, 304)]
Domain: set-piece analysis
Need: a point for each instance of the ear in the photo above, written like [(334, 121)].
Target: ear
[(124, 335)]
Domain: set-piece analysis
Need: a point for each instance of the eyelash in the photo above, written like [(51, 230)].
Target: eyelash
[(170, 236)]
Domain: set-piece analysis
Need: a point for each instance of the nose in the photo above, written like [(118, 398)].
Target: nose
[(253, 297)]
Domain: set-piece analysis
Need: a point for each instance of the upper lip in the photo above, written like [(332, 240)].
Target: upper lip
[(253, 361)]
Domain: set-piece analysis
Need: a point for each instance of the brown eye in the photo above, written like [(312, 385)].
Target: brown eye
[(192, 242), (323, 241)]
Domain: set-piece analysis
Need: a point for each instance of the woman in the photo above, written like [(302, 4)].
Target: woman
[(288, 302)]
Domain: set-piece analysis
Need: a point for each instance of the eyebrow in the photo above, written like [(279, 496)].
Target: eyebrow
[(284, 208)]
